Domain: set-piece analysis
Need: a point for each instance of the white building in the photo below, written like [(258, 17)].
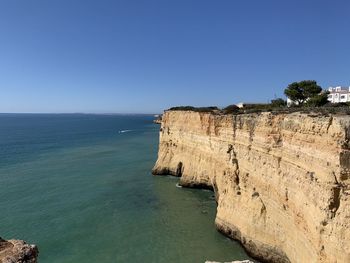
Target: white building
[(291, 102), (339, 94)]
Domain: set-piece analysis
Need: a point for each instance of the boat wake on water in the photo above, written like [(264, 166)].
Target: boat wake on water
[(123, 131)]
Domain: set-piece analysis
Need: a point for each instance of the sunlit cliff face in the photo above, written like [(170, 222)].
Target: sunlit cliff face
[(281, 180)]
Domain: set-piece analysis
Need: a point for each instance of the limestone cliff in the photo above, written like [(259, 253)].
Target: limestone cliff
[(281, 180), (17, 251)]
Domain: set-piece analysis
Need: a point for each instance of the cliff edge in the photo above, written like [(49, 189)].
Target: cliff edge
[(281, 180), (17, 251)]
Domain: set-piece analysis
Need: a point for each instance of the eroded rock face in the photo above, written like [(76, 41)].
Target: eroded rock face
[(17, 251), (281, 180)]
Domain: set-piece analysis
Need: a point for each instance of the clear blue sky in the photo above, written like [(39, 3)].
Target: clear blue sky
[(148, 55)]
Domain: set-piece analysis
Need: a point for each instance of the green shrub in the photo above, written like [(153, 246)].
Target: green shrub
[(196, 109), (231, 109), (278, 103), (318, 100)]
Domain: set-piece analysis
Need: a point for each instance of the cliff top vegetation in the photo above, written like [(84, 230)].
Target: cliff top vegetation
[(305, 96), (339, 108)]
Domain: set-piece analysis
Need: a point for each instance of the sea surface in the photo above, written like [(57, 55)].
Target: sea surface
[(80, 187)]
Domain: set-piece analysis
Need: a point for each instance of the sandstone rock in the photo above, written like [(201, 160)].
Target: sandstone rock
[(158, 119), (17, 251), (281, 181)]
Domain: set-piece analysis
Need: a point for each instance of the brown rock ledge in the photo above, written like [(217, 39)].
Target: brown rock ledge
[(17, 251)]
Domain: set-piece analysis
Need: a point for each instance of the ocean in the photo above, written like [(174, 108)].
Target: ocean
[(80, 187)]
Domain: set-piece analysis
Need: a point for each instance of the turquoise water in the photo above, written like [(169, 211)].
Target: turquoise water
[(83, 192)]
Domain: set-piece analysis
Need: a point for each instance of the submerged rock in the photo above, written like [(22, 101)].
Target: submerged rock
[(17, 251)]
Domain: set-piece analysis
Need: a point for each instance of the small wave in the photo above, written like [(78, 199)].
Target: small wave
[(178, 185), (123, 131)]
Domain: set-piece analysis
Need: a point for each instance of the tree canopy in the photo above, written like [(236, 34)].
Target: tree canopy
[(318, 100), (300, 92)]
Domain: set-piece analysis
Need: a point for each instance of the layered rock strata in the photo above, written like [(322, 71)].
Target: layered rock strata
[(281, 181), (17, 251)]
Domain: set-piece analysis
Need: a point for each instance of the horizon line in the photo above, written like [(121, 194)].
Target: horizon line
[(80, 113)]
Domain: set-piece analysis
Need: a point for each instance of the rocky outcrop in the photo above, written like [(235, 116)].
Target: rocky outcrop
[(17, 251), (158, 119), (281, 181), (239, 261)]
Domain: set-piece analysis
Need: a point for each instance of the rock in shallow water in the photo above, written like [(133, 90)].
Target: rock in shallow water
[(237, 261), (17, 251)]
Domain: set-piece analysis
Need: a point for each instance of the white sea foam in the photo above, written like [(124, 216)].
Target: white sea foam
[(178, 185)]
